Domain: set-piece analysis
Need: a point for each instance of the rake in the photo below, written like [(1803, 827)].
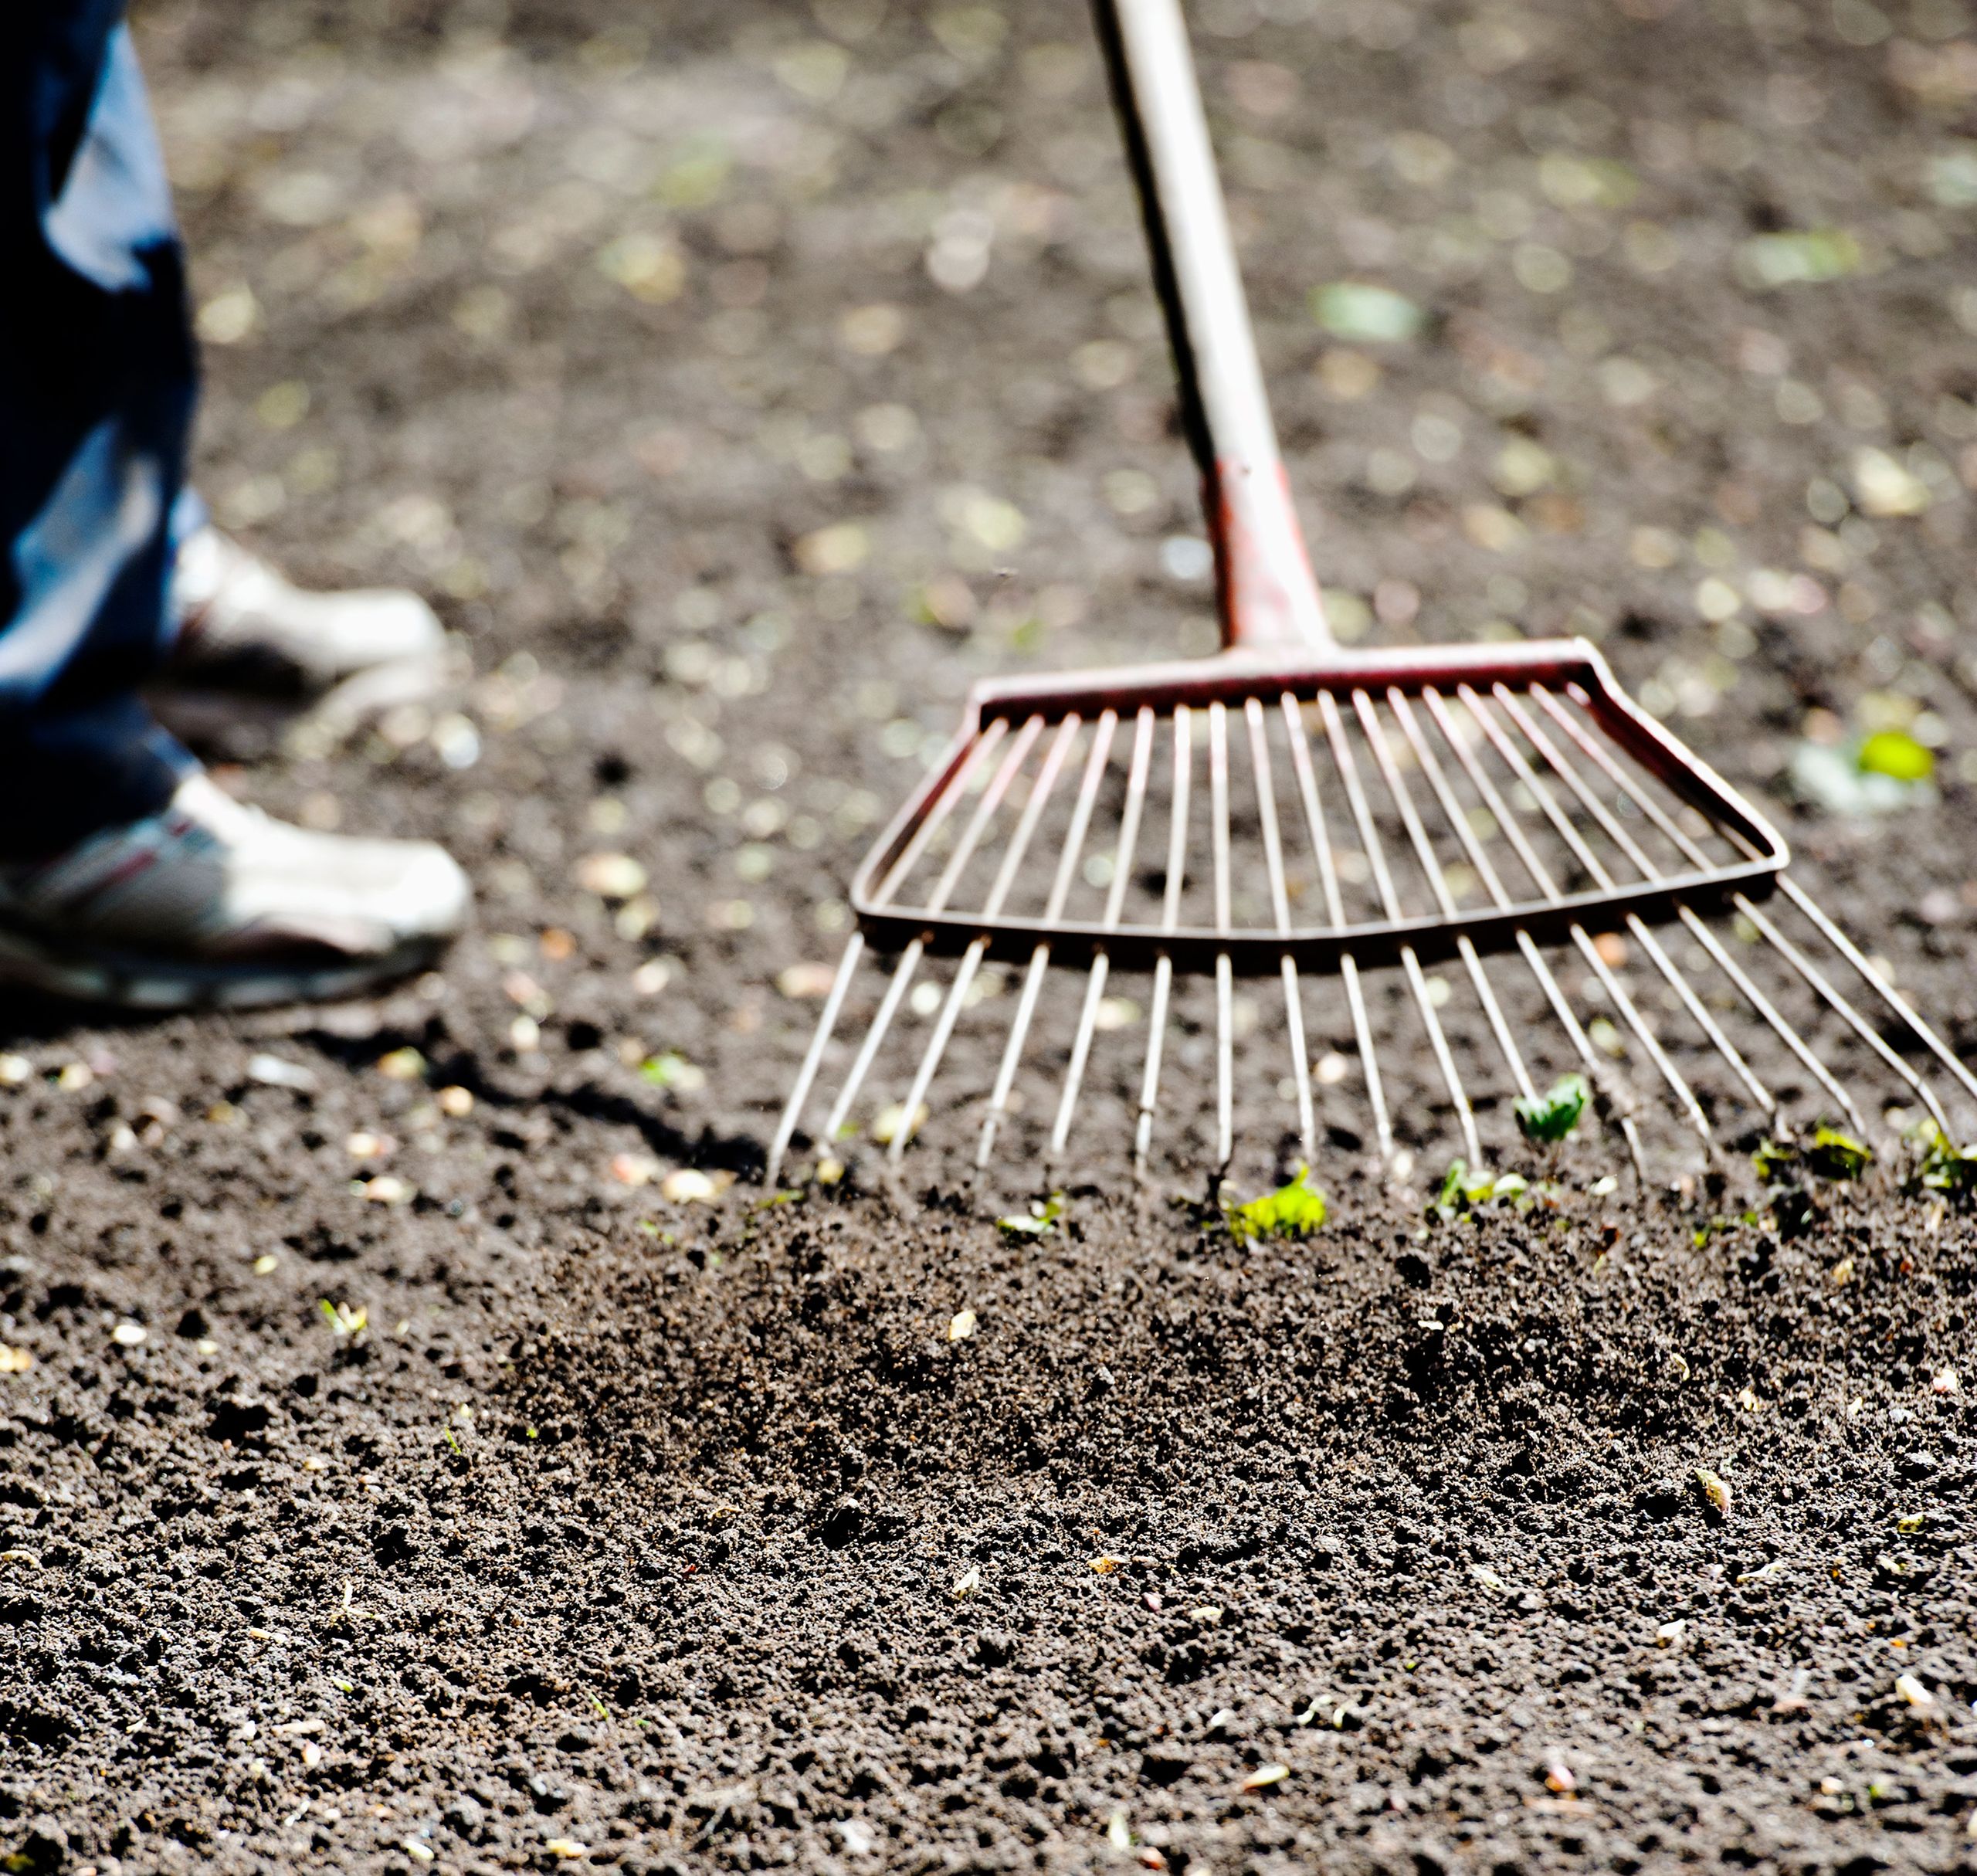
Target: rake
[(1400, 822)]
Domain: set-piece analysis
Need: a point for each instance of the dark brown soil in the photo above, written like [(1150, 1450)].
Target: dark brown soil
[(465, 1500)]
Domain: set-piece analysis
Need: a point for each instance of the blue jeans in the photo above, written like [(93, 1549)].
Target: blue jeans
[(98, 383)]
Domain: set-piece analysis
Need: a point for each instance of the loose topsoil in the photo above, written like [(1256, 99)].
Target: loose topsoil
[(392, 1479)]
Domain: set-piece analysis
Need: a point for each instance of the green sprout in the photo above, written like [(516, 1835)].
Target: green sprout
[(1835, 1156), (1946, 1168), (1461, 1190), (342, 1319), (1292, 1211), (1829, 1153), (1551, 1117), (1039, 1221)]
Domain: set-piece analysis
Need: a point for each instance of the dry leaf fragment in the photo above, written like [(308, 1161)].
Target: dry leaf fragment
[(689, 1185), (801, 981), (26, 1558), (1104, 1564), (634, 1168), (1714, 1490), (611, 876), (962, 1326), (272, 1071), (405, 1064), (892, 1123), (1266, 1775)]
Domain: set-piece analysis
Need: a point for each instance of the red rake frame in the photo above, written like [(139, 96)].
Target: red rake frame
[(1573, 666)]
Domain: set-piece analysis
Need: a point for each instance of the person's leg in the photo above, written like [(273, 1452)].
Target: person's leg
[(97, 391), (126, 875)]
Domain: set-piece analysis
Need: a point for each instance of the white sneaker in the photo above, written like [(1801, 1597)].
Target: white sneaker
[(242, 624), (210, 902)]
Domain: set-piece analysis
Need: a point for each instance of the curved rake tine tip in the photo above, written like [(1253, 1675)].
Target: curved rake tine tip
[(826, 1021)]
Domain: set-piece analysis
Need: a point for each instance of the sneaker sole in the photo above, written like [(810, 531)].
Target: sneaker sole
[(122, 980)]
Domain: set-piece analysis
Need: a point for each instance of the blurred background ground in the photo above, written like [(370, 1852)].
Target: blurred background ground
[(742, 381)]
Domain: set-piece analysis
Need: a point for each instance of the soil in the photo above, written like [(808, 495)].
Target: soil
[(397, 1479)]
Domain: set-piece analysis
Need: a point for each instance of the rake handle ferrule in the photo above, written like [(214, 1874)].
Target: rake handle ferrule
[(1266, 593)]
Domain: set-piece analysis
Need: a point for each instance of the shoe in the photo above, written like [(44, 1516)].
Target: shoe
[(209, 902), (242, 626)]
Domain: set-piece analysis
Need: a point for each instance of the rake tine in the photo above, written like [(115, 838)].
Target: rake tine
[(909, 961), (1349, 967), (1074, 842), (1431, 865), (827, 1021), (1815, 980), (1170, 917), (855, 949), (1635, 923), (1355, 795), (944, 1028), (1115, 899), (1879, 985), (1533, 957), (1683, 1093), (1698, 928), (1225, 978), (1094, 769), (1005, 1074), (1293, 1002)]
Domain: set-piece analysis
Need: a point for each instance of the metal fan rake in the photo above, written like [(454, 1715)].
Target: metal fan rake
[(1428, 833)]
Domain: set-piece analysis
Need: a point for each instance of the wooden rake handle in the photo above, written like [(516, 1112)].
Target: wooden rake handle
[(1265, 592)]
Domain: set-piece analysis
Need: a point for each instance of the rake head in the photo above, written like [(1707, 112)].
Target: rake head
[(1374, 819), (1495, 823)]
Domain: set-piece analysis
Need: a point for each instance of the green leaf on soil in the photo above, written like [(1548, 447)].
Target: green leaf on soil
[(1295, 1210), (1896, 753), (670, 1068), (1551, 1117), (1039, 1221), (1796, 256), (1370, 315)]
